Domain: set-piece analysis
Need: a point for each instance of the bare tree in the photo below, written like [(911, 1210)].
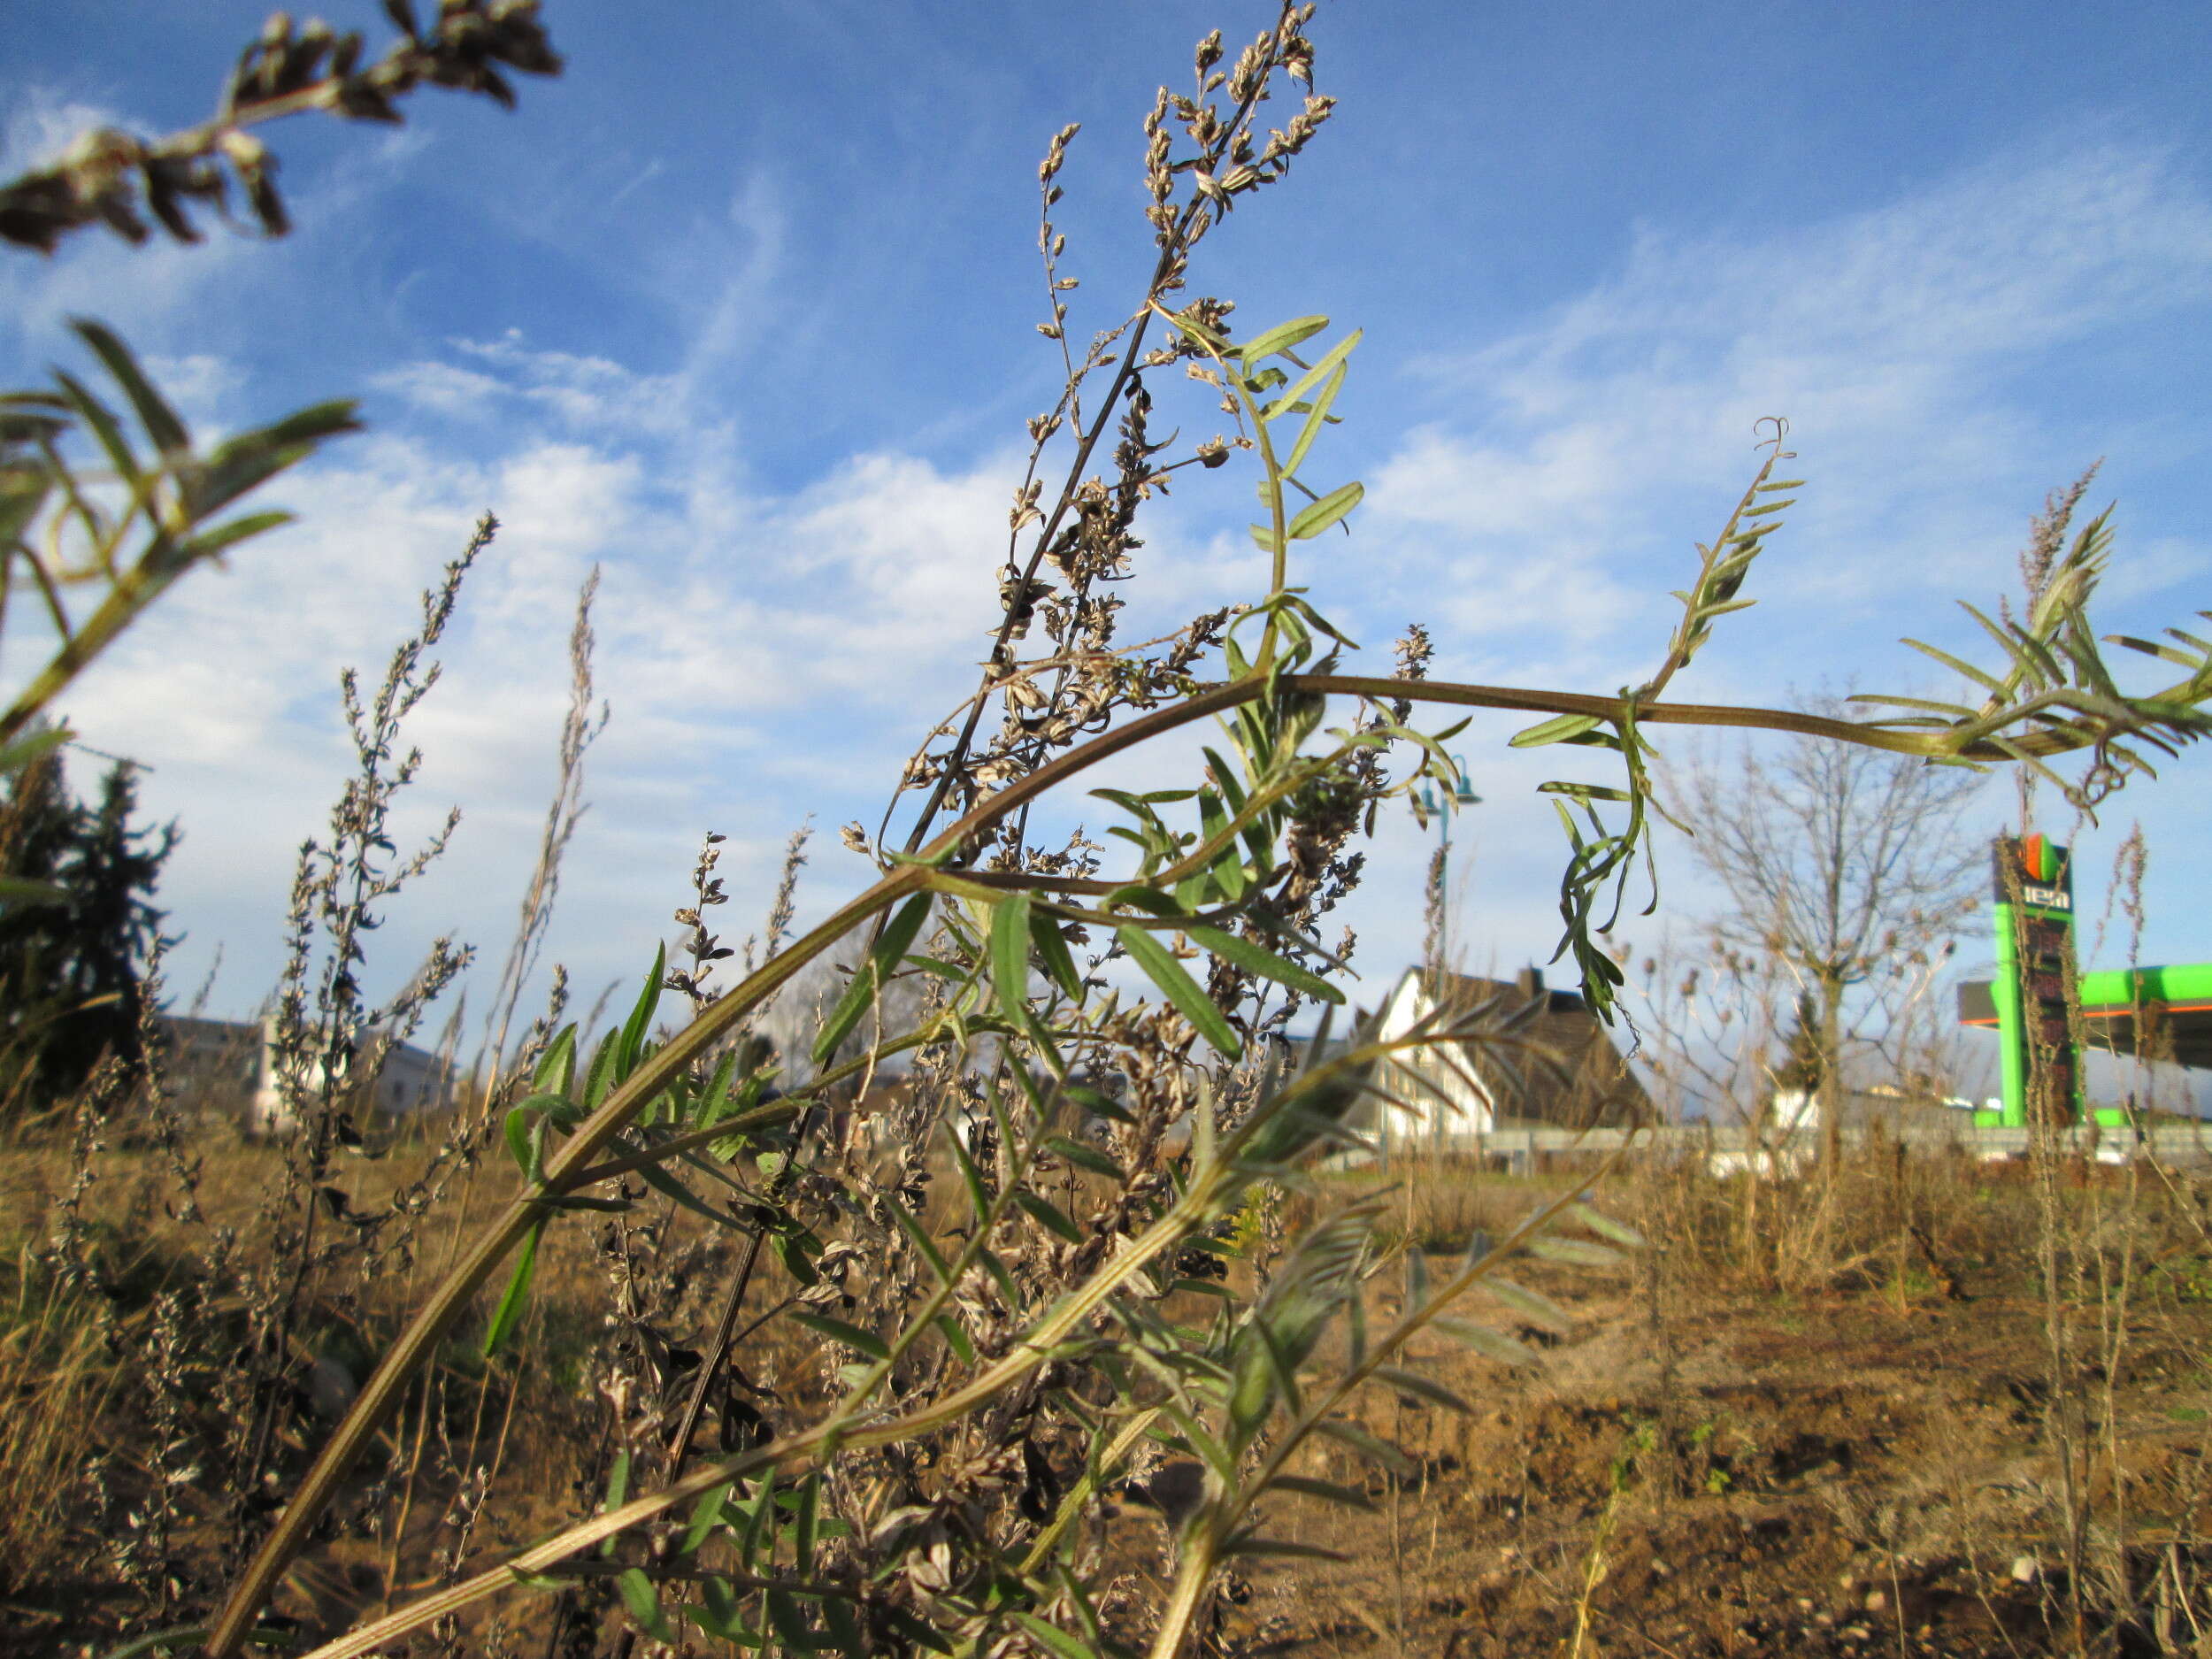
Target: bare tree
[(1845, 867)]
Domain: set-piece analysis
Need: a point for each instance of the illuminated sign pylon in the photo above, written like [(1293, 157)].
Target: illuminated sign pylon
[(2033, 890)]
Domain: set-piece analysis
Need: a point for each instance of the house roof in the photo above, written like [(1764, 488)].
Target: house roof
[(1561, 1067)]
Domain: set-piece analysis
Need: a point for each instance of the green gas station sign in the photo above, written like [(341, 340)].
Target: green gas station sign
[(2035, 992), (2039, 999)]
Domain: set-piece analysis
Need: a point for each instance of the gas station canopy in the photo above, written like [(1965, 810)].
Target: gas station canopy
[(2172, 1006)]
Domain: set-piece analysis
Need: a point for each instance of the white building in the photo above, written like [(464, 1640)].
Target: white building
[(1523, 1055), (230, 1066)]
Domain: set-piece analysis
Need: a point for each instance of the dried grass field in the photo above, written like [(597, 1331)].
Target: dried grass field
[(1861, 1423)]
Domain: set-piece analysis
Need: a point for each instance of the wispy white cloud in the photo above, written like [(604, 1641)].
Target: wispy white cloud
[(1600, 440), (774, 651)]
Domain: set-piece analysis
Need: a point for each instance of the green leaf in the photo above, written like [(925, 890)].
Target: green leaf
[(1099, 1103), (1085, 1157), (1056, 1640), (956, 1337), (644, 1602), (1052, 950), (1183, 992), (1317, 417), (209, 543), (896, 939), (641, 1021), (516, 1300), (844, 1634), (1243, 953), (1045, 1211), (1009, 956), (1332, 362), (706, 1515), (518, 1125), (719, 1615), (1558, 729), (662, 1181), (1327, 1491), (1368, 1445), (244, 463), (1413, 1382), (851, 1335), (160, 421), (803, 1526), (1966, 670), (1282, 337), (797, 1250), (914, 1630), (1488, 1343), (918, 1235), (594, 1206), (22, 493), (555, 1070), (791, 1625), (1580, 1252), (16, 755), (100, 419), (1326, 511), (1537, 1308), (979, 1199), (1604, 1225), (1281, 1548)]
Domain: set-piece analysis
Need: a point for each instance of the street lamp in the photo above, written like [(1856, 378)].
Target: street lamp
[(1429, 801)]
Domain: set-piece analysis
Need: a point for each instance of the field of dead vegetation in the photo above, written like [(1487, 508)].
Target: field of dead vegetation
[(1935, 1409)]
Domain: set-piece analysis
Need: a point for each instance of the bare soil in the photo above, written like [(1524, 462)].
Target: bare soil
[(1828, 1475)]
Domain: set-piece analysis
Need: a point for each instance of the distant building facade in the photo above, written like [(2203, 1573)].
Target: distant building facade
[(1526, 1056), (229, 1067)]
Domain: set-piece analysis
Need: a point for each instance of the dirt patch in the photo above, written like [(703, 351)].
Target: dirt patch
[(1758, 1477)]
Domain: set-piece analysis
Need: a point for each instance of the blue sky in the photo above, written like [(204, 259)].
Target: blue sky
[(741, 308)]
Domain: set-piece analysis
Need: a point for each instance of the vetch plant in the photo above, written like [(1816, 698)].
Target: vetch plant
[(954, 1315)]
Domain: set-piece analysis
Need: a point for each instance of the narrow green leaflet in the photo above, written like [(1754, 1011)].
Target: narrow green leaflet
[(1580, 1252), (790, 1623), (516, 1300), (1009, 956), (1242, 952), (807, 1512), (1055, 1639), (160, 421), (851, 1335), (1052, 950), (1537, 1308), (897, 938), (705, 1516), (644, 1602), (556, 1070), (1367, 1445), (1044, 1210), (1248, 1545), (1488, 1343), (1558, 729), (1085, 1157), (1412, 1382), (1182, 991), (1327, 1491), (1326, 511), (640, 1023), (1282, 337), (1606, 1226)]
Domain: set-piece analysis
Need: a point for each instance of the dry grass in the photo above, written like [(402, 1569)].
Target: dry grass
[(1848, 1385)]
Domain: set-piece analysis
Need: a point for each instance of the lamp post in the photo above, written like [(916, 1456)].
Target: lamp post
[(1429, 801)]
